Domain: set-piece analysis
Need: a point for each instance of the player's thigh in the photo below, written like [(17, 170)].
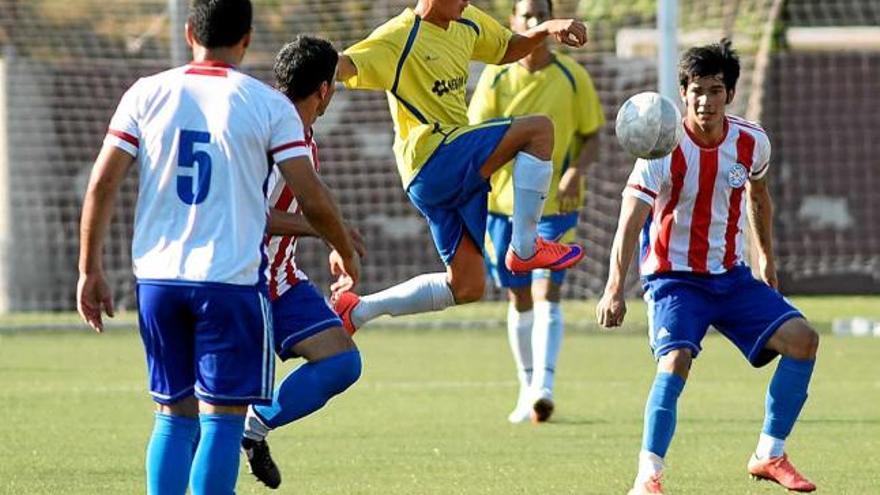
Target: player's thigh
[(533, 133), (679, 314), (167, 329), (235, 362), (752, 312), (499, 230), (299, 315)]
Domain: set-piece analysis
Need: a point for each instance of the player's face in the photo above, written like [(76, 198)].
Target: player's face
[(706, 99), (528, 14)]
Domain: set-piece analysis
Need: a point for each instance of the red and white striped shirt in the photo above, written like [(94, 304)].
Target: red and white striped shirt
[(698, 201), (282, 272)]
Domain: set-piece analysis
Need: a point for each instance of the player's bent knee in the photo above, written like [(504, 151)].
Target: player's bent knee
[(347, 368), (188, 407), (807, 344), (676, 361), (467, 293), (539, 131)]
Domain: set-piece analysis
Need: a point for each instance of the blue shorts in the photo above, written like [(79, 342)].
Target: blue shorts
[(449, 190), (298, 314), (748, 312), (210, 340), (500, 228)]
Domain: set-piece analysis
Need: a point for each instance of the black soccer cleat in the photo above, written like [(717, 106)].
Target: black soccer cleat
[(260, 462)]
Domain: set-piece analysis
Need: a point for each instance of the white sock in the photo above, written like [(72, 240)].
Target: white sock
[(546, 341), (769, 447), (254, 428), (650, 464), (428, 292), (519, 334), (531, 181)]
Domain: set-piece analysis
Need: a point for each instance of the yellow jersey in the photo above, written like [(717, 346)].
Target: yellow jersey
[(563, 91), (423, 69)]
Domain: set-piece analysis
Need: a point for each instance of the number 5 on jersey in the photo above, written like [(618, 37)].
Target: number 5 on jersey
[(188, 158)]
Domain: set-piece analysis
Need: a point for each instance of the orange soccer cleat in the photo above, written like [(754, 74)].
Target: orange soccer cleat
[(779, 470), (651, 486), (548, 254), (344, 304)]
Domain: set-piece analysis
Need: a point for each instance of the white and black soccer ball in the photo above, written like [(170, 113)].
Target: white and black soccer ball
[(649, 125)]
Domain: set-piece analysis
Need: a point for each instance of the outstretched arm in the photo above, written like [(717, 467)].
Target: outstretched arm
[(92, 293), (760, 214), (612, 307), (566, 31)]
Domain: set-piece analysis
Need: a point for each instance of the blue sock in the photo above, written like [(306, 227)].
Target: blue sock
[(660, 413), (215, 466), (307, 388), (786, 395), (170, 454)]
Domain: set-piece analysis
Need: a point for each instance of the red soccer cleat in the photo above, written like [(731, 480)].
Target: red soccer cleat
[(651, 486), (548, 254), (343, 306), (779, 470)]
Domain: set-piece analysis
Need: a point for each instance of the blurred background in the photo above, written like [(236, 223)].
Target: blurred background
[(811, 76)]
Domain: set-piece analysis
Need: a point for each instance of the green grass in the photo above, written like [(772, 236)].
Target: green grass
[(428, 416)]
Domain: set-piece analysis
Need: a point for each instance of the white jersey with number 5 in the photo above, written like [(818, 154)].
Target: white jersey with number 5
[(201, 134)]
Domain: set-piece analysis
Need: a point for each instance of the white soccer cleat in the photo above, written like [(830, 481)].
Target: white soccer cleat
[(521, 414)]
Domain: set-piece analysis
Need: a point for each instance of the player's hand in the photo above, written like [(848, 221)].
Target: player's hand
[(346, 271), (767, 272), (92, 297), (357, 241), (569, 190), (611, 309), (569, 32)]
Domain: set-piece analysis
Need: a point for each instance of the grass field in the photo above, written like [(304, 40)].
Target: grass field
[(428, 416)]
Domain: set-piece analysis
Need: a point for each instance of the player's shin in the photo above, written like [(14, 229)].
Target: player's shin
[(786, 396), (546, 342), (531, 182), (306, 389), (170, 454), (660, 419), (216, 461), (519, 335), (428, 292)]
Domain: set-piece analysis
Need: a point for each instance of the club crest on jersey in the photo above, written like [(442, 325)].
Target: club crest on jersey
[(737, 176)]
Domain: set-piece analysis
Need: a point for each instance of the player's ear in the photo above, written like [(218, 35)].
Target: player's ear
[(730, 94), (246, 40), (188, 34)]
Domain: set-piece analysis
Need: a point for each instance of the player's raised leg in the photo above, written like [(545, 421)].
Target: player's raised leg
[(797, 343)]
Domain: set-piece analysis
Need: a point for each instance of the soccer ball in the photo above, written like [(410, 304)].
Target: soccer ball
[(648, 125)]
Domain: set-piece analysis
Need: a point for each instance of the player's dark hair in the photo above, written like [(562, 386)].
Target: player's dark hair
[(303, 64), (549, 6), (220, 23), (708, 60)]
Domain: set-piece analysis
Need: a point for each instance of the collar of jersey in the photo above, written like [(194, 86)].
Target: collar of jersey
[(212, 63), (710, 146)]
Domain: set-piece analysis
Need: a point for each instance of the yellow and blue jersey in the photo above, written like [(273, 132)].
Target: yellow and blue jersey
[(563, 91), (424, 69)]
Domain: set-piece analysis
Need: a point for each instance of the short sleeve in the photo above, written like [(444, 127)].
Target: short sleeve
[(123, 132), (483, 102), (375, 58), (761, 161), (646, 179), (590, 116), (492, 37), (287, 138)]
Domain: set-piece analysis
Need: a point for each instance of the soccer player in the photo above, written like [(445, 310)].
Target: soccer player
[(689, 208), (200, 135), (420, 58), (553, 84), (305, 325)]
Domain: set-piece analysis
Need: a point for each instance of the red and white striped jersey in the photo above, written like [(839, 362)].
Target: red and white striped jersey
[(698, 201), (200, 134), (282, 272)]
